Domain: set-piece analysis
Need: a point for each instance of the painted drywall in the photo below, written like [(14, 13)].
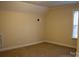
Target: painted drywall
[(0, 35), (22, 7), (19, 25), (58, 25)]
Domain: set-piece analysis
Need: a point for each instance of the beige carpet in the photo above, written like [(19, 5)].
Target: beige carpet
[(39, 50)]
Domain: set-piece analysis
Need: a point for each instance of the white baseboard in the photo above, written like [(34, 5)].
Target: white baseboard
[(29, 44), (60, 44), (19, 46), (77, 54)]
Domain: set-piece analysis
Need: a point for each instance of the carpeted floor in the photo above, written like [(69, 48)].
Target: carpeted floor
[(39, 50)]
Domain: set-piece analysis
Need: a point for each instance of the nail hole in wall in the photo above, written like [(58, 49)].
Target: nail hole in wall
[(38, 19)]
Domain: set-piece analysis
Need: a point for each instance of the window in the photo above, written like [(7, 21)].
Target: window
[(75, 24)]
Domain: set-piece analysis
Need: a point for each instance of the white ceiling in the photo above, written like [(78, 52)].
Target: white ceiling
[(50, 3)]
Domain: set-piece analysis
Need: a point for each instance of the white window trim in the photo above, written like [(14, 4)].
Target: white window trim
[(73, 26)]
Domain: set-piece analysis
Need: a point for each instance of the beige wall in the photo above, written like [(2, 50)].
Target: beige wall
[(59, 22), (19, 27)]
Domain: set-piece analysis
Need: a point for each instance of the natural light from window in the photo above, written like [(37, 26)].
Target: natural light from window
[(75, 24)]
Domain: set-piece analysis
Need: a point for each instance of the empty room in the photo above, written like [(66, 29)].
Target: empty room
[(39, 29)]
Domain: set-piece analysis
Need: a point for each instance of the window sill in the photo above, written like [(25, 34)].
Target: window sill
[(74, 38)]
